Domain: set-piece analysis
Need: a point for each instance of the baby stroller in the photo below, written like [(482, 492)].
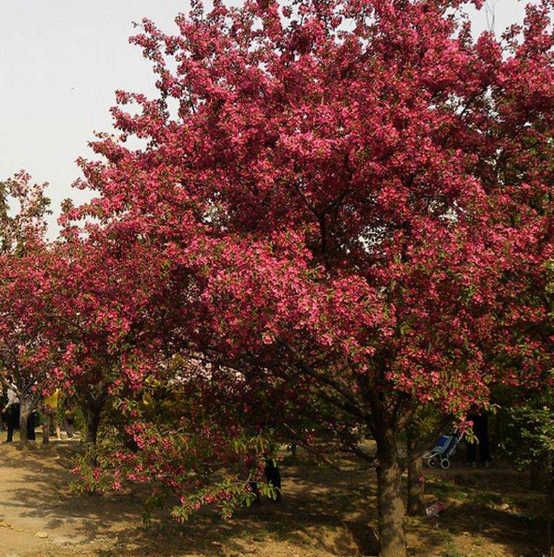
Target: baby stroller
[(443, 450)]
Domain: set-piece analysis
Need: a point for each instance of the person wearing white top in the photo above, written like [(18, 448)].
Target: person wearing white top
[(12, 412)]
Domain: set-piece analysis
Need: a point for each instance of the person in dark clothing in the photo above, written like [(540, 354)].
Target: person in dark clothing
[(31, 436), (12, 420), (12, 412), (273, 478), (481, 433), (68, 420)]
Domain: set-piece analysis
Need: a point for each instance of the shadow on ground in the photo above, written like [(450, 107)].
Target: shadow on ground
[(323, 513)]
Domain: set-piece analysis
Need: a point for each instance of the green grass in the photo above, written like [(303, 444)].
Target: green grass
[(442, 489)]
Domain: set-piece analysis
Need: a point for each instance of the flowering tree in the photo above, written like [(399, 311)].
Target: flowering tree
[(106, 298), (347, 182), (29, 353)]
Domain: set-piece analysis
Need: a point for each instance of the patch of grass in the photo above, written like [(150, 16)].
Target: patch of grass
[(282, 531), (261, 534), (451, 551), (443, 488), (492, 499), (487, 499), (443, 537), (106, 553)]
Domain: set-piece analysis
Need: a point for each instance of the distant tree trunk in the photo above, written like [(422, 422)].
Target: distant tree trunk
[(536, 478), (46, 419), (416, 487), (92, 415), (550, 514), (24, 413), (91, 401)]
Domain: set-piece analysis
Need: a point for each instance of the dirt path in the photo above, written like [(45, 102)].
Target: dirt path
[(39, 517), (38, 514), (323, 514)]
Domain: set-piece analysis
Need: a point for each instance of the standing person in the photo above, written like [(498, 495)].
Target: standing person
[(31, 426), (50, 416), (11, 412), (3, 402), (273, 476), (271, 470), (68, 419), (481, 432)]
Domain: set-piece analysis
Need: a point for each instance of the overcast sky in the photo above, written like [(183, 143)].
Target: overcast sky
[(60, 63)]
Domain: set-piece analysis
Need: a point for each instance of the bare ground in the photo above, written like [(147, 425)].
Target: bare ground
[(489, 513)]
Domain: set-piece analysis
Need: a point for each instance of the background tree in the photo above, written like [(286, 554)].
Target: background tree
[(29, 353), (181, 435), (530, 443), (106, 299)]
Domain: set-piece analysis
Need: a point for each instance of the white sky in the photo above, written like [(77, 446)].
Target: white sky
[(60, 63)]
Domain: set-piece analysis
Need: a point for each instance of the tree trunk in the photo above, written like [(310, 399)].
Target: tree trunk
[(416, 487), (93, 422), (392, 537), (46, 428), (536, 478), (24, 413), (550, 514)]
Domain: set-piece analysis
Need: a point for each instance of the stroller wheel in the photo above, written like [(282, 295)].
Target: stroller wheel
[(432, 462), (445, 464)]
